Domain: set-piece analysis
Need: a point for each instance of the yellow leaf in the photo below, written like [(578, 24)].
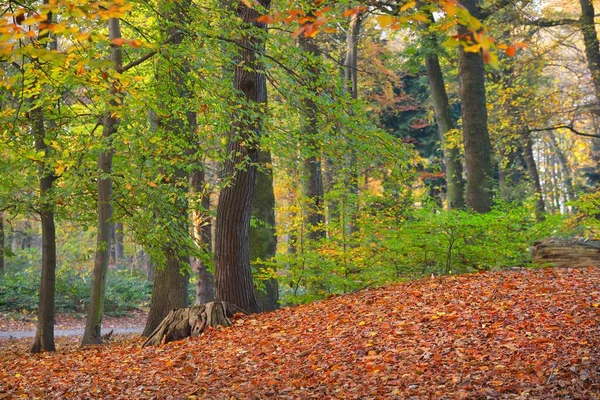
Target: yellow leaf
[(385, 20), (421, 18), (408, 6), (595, 305), (474, 48)]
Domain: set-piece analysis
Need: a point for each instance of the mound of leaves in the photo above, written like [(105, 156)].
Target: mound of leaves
[(514, 334)]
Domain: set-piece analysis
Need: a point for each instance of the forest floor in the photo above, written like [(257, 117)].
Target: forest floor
[(519, 334)]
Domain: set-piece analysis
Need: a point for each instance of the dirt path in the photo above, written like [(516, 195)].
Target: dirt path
[(17, 326)]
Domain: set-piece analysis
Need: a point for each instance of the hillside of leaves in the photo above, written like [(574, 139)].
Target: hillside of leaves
[(512, 334)]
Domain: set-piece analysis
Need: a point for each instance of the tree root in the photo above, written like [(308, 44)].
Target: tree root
[(192, 322)]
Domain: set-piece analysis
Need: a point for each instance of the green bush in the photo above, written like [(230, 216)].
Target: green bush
[(391, 244), (19, 291)]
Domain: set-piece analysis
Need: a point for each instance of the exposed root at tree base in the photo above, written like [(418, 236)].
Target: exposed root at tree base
[(192, 321)]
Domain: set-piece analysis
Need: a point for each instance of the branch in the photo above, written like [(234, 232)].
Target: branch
[(548, 23), (569, 127), (148, 56)]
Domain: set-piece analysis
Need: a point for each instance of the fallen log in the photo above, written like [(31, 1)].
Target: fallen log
[(192, 322), (567, 252)]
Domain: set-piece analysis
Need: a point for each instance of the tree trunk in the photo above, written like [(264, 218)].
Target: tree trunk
[(93, 326), (534, 176), (205, 286), (118, 243), (478, 148), (2, 267), (191, 322), (170, 291), (351, 78), (313, 178), (590, 40), (44, 335), (233, 276), (441, 108), (564, 166), (263, 239)]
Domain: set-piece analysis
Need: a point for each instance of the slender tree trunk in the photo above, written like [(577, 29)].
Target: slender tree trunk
[(478, 148), (313, 178), (263, 239), (441, 107), (93, 326), (534, 176), (118, 243), (205, 286), (351, 78), (564, 166), (44, 335), (2, 267), (233, 276)]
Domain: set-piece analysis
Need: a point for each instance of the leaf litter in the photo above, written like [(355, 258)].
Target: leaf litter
[(519, 334)]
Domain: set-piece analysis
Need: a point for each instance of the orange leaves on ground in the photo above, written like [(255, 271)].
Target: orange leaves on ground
[(511, 334)]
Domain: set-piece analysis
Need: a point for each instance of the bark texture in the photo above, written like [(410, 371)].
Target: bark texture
[(191, 322), (233, 277), (93, 326), (478, 148), (168, 292), (590, 40), (44, 335), (443, 116), (313, 177), (119, 243), (567, 253)]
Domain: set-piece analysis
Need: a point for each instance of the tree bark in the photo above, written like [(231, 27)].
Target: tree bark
[(118, 243), (478, 148), (443, 116), (590, 40), (263, 239), (233, 276), (313, 178), (2, 266), (93, 326), (44, 335), (205, 286), (534, 177)]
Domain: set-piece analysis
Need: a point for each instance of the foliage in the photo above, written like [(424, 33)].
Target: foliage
[(510, 334), (126, 291), (393, 243)]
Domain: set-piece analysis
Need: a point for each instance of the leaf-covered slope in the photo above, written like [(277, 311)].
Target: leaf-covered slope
[(517, 334)]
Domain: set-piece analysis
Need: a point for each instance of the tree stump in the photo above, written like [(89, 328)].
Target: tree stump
[(192, 322), (567, 252)]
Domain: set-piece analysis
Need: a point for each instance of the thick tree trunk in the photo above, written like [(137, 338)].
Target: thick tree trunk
[(478, 148), (263, 239), (441, 108), (170, 291), (205, 285), (191, 322), (233, 277), (590, 40), (313, 178), (534, 176), (93, 326)]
